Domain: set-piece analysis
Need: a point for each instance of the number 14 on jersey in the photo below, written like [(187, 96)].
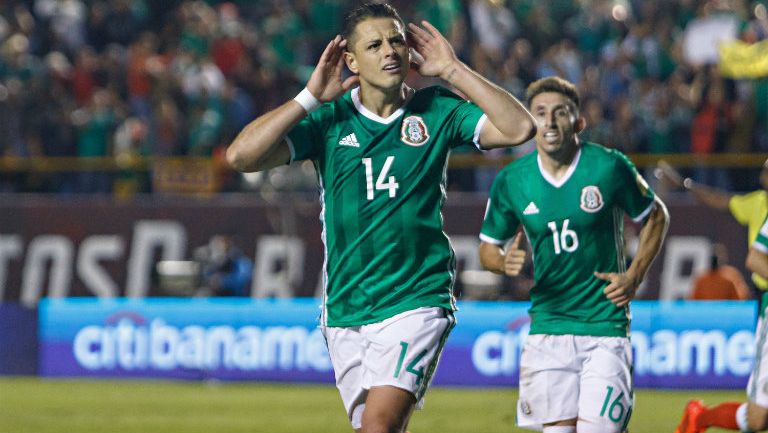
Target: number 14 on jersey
[(382, 181)]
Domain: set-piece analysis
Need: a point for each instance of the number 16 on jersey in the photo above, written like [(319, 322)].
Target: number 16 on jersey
[(564, 239)]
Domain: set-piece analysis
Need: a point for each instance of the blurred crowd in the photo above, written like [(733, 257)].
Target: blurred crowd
[(127, 78)]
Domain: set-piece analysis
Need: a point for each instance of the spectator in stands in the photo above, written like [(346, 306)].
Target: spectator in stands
[(711, 124), (720, 281), (226, 271), (629, 57), (95, 124)]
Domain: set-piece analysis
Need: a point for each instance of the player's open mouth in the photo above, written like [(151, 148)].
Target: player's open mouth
[(551, 137), (392, 67)]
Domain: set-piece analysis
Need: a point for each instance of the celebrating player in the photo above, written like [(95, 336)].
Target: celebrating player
[(751, 416), (570, 197), (380, 151)]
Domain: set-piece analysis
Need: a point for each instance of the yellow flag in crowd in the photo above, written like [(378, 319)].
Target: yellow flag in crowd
[(742, 60)]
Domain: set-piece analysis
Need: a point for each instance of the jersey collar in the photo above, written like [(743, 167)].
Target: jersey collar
[(375, 117), (557, 183)]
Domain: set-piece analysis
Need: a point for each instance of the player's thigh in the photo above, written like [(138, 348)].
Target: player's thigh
[(346, 347), (403, 351), (606, 398), (757, 387), (387, 409), (549, 381)]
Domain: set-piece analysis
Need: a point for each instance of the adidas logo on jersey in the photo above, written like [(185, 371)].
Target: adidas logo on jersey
[(531, 209), (349, 140)]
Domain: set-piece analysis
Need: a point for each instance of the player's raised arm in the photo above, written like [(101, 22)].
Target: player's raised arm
[(261, 144), (623, 286), (757, 262), (757, 258), (509, 124), (710, 197)]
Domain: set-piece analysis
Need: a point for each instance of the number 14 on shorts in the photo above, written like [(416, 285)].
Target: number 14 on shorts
[(411, 367)]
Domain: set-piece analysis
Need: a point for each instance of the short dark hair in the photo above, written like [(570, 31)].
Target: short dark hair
[(367, 11), (553, 84)]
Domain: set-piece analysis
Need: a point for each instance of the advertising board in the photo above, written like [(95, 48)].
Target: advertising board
[(676, 344)]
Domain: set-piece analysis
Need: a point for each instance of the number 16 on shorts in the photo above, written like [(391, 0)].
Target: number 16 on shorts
[(614, 407)]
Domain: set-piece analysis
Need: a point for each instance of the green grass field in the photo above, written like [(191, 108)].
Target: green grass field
[(32, 405)]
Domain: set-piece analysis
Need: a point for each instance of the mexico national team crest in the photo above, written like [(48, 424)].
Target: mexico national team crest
[(414, 131), (591, 199)]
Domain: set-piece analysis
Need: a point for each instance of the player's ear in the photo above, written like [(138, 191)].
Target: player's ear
[(351, 61), (581, 123)]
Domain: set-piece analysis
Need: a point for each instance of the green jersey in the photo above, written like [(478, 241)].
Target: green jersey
[(761, 240), (575, 227), (761, 244), (382, 186)]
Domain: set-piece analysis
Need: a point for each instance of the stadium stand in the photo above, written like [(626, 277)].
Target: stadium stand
[(95, 96)]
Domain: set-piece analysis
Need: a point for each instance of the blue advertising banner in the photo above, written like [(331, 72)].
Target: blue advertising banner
[(18, 339), (676, 344), (228, 339)]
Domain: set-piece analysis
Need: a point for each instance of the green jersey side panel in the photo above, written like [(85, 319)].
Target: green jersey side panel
[(761, 241), (761, 244), (575, 227), (382, 186)]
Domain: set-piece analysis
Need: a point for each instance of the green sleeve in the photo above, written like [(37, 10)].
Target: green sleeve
[(469, 120), (761, 242), (634, 194), (501, 221), (464, 119), (305, 139)]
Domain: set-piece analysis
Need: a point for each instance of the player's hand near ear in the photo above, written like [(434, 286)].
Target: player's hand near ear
[(326, 82)]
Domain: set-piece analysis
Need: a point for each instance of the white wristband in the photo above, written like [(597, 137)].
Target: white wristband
[(307, 100)]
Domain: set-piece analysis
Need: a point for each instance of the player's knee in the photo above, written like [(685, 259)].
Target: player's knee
[(598, 426), (757, 417), (383, 424), (380, 426), (559, 429)]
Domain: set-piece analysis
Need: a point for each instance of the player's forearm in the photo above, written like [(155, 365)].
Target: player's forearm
[(757, 262), (254, 147), (650, 241), (504, 111), (492, 257), (708, 196)]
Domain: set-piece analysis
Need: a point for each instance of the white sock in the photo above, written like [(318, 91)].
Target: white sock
[(559, 429), (741, 418)]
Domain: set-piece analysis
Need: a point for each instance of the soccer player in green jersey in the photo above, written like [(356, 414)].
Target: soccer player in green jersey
[(380, 151), (750, 416), (570, 197)]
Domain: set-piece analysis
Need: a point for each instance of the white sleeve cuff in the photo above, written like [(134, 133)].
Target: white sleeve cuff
[(291, 148), (478, 128), (490, 240), (644, 213), (760, 247)]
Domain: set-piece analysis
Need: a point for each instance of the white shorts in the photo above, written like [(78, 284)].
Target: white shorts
[(401, 351), (757, 387), (566, 377)]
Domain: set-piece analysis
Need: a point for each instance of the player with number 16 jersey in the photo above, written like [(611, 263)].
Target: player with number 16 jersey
[(575, 226), (570, 197)]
